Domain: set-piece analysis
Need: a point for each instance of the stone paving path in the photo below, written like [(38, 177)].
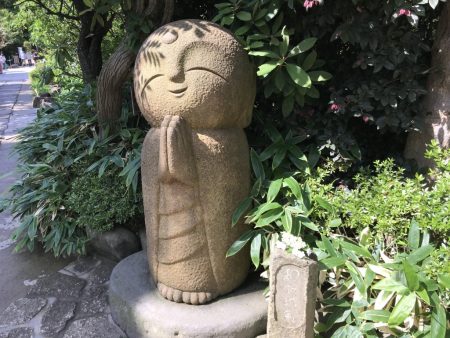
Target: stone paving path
[(41, 296)]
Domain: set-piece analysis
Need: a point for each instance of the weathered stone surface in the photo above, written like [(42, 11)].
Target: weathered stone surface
[(141, 312), (196, 87), (82, 265), (21, 332), (101, 273), (115, 244), (55, 319), (58, 285), (95, 301), (94, 327), (292, 301), (143, 239), (21, 311)]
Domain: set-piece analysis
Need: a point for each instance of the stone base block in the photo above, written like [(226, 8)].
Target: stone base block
[(115, 244), (141, 312)]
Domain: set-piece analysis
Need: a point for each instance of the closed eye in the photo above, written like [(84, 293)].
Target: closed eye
[(149, 80), (207, 70)]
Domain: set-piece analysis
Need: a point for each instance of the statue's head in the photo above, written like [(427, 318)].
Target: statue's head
[(197, 70)]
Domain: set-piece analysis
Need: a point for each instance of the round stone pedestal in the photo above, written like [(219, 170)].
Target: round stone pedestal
[(141, 312)]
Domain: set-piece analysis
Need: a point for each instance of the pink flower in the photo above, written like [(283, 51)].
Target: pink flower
[(310, 3), (405, 12), (365, 118), (335, 107)]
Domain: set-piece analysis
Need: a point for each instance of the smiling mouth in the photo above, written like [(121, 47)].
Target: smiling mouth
[(178, 91)]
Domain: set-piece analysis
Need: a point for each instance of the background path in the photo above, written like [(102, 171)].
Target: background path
[(41, 296)]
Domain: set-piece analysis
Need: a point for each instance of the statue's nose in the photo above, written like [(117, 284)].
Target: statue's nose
[(176, 74)]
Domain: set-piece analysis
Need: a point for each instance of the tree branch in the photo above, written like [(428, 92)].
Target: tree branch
[(168, 11), (50, 11)]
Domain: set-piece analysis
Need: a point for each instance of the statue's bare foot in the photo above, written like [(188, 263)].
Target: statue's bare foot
[(194, 298)]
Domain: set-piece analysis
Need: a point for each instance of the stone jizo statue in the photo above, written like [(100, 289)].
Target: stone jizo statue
[(195, 86)]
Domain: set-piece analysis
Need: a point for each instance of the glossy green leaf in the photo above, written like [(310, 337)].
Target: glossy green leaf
[(278, 158), (266, 68), (257, 166), (420, 254), (244, 16), (334, 223), (242, 30), (240, 210), (347, 331), (306, 194), (320, 76), (286, 220), (305, 221), (265, 208), (356, 277), (359, 250), (328, 246), (389, 284), (294, 186), (423, 294), (270, 151), (266, 53), (438, 322), (377, 316), (309, 61), (403, 309), (280, 80), (303, 46), (324, 203), (285, 43), (414, 235), (269, 217), (411, 276), (444, 280), (255, 249), (274, 189), (332, 262), (298, 75), (240, 243), (256, 187)]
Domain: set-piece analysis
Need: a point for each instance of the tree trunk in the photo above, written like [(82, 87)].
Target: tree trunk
[(437, 102), (109, 85), (116, 70), (89, 46)]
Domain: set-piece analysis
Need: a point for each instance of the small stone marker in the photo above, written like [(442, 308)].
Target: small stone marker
[(292, 302)]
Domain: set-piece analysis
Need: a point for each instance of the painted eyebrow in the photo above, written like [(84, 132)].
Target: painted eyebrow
[(207, 70), (148, 81)]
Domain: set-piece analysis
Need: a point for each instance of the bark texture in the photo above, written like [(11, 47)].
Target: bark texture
[(437, 103), (89, 46), (109, 86), (116, 70)]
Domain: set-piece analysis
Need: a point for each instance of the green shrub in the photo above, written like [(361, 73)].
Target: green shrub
[(343, 71), (383, 200), (100, 203), (386, 201), (367, 292), (380, 274), (41, 77), (60, 152)]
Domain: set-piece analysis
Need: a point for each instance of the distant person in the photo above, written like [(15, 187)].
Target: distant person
[(34, 57), (2, 62)]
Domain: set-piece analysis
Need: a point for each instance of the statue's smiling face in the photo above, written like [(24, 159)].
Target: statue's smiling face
[(192, 72)]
